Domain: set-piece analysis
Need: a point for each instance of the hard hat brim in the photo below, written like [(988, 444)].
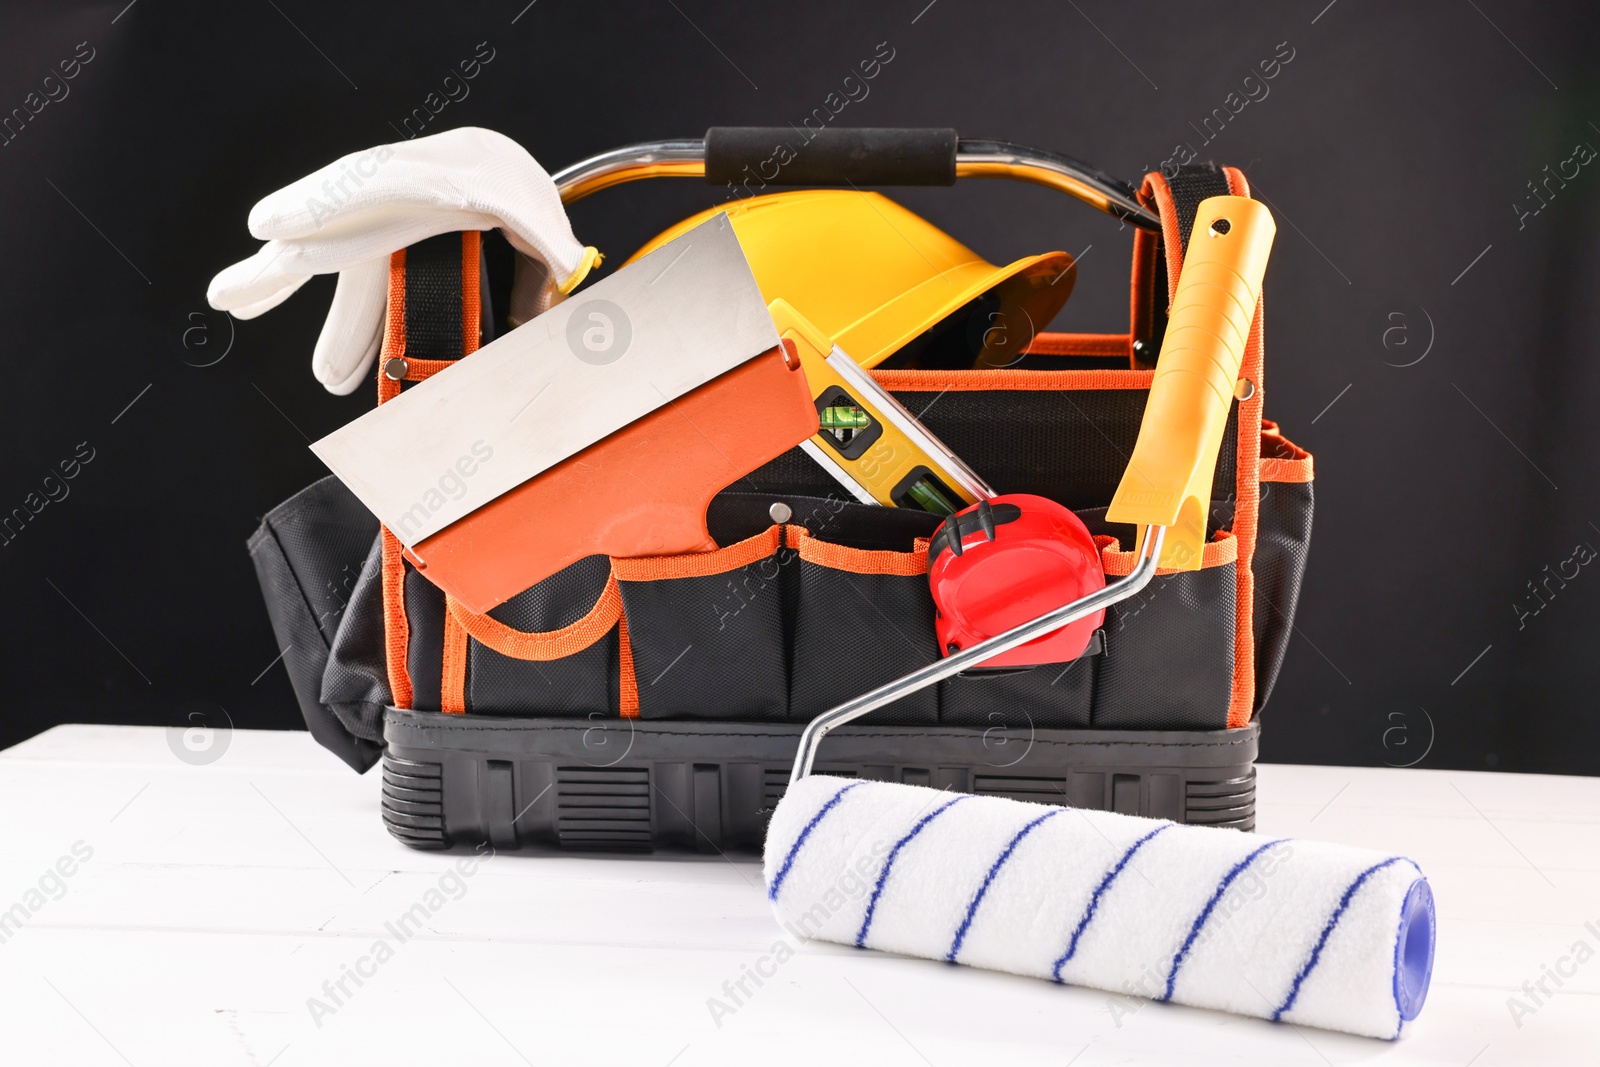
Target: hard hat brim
[(1031, 291)]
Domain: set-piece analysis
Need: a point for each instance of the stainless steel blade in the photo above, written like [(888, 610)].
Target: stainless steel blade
[(679, 317)]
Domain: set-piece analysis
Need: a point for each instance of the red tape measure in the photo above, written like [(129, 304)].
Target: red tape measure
[(1006, 561)]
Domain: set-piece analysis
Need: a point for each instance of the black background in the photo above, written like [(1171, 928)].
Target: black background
[(1395, 147)]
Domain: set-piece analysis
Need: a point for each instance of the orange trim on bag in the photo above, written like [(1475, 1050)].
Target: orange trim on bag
[(453, 676), (1281, 459), (968, 381), (1247, 508), (860, 560), (394, 326), (1080, 344), (1286, 470), (627, 680), (700, 564), (471, 295), (396, 628), (1171, 240), (550, 644), (1218, 552)]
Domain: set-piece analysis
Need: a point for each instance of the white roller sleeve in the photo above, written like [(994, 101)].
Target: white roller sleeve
[(1311, 933)]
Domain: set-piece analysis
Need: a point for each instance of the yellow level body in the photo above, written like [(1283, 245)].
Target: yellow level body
[(869, 442)]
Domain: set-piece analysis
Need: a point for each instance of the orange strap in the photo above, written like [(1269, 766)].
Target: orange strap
[(627, 680), (471, 293), (453, 677), (396, 628), (1107, 345), (700, 564), (1220, 551), (1275, 469), (1010, 379), (551, 644), (1247, 509), (1281, 459), (860, 560)]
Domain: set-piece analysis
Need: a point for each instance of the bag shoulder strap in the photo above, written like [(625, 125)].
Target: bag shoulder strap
[(1157, 257)]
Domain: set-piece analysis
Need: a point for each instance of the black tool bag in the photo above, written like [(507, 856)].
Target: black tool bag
[(632, 703)]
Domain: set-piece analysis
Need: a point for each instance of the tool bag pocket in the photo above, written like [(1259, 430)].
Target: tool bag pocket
[(1169, 649), (863, 617), (551, 650), (706, 631), (1050, 695)]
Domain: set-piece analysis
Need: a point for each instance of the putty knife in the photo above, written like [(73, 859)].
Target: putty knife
[(642, 491), (632, 343)]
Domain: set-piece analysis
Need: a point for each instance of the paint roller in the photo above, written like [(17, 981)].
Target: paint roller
[(1300, 931)]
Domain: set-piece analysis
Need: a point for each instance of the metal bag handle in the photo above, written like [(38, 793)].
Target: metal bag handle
[(744, 156)]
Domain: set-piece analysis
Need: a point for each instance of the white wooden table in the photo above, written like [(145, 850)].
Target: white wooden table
[(206, 906)]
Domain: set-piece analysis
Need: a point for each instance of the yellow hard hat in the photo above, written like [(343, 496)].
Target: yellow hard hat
[(874, 276)]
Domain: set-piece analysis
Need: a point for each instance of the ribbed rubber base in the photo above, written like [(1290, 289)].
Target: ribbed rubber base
[(620, 784)]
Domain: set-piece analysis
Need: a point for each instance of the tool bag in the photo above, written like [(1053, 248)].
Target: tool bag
[(640, 702)]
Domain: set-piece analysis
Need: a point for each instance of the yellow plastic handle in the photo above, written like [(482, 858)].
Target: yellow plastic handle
[(1168, 480)]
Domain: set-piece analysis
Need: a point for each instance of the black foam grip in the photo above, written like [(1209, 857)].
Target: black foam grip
[(783, 155)]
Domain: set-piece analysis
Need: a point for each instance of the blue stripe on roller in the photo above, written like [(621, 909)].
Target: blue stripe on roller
[(888, 864), (794, 849), (1333, 920), (972, 909), (1205, 913), (1094, 901)]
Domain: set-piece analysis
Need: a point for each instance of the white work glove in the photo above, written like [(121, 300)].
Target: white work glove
[(352, 214)]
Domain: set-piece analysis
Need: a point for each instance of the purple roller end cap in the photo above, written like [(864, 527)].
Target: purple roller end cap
[(1413, 950)]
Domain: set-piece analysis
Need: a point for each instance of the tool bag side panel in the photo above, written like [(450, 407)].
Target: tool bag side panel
[(1282, 548), (355, 682), (308, 554)]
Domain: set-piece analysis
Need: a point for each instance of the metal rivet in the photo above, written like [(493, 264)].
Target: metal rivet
[(396, 369), (1244, 389), (780, 512)]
